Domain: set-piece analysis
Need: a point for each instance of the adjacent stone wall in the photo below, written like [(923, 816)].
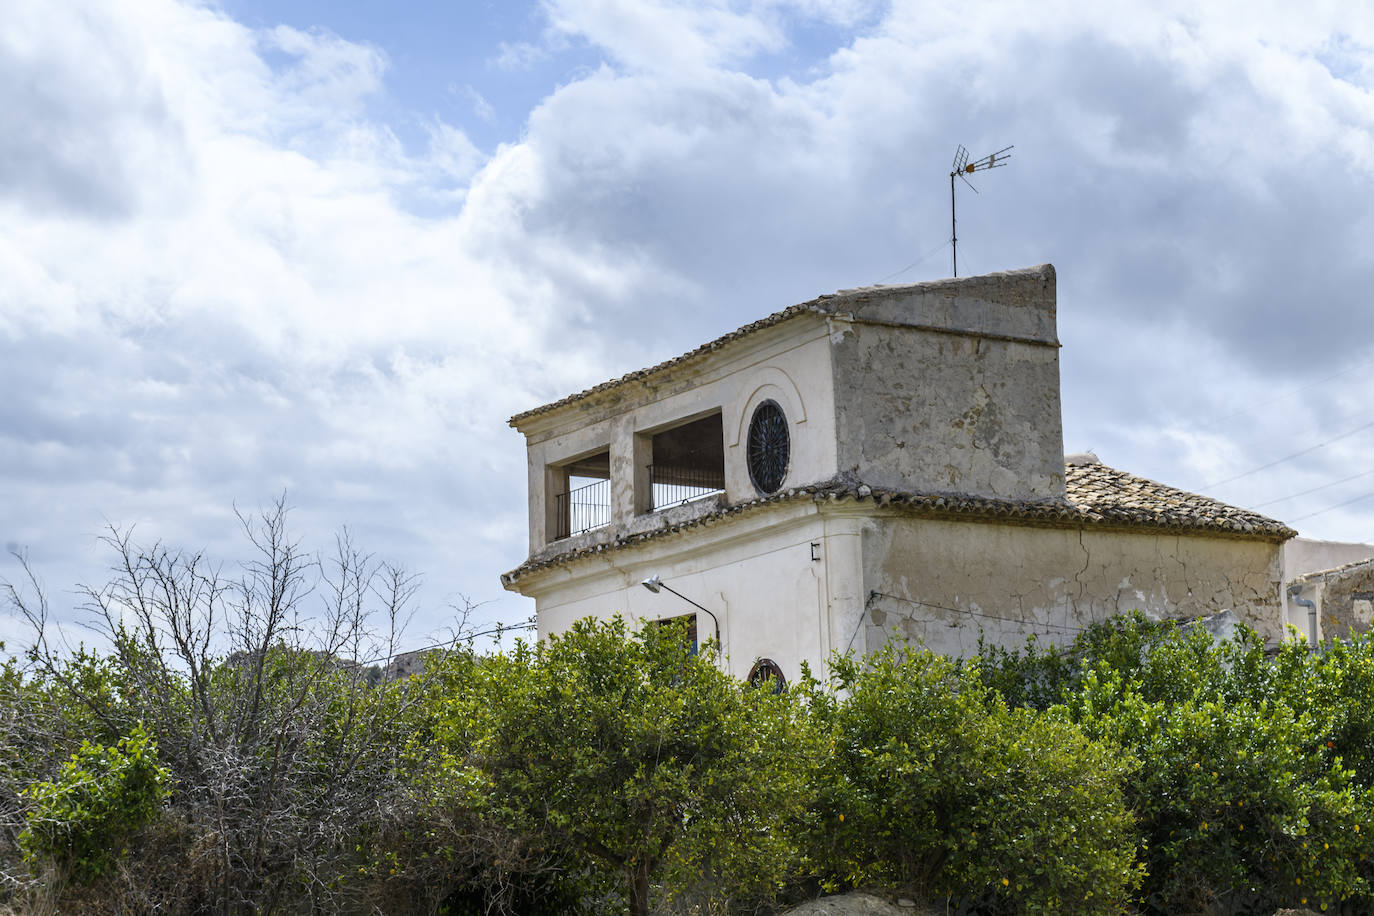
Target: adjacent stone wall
[(1345, 599)]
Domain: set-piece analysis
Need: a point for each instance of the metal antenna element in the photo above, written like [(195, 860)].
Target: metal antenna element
[(961, 168)]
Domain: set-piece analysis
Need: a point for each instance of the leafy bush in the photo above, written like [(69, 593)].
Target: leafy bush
[(1336, 688), (1244, 796), (215, 759), (436, 844), (1039, 676), (934, 785), (102, 795), (639, 763), (1231, 809)]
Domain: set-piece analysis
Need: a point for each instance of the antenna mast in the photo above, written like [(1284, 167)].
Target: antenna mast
[(961, 168)]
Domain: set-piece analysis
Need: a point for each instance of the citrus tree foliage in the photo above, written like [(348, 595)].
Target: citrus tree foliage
[(1336, 688), (934, 785), (1252, 789), (103, 795), (228, 753), (640, 763), (440, 845)]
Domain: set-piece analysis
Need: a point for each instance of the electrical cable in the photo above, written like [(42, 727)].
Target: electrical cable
[(1313, 490), (1337, 506), (1217, 421), (470, 638), (1024, 623), (922, 259), (1297, 454)]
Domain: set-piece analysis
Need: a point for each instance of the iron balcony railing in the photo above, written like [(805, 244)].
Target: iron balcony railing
[(673, 486), (583, 509), (586, 507)]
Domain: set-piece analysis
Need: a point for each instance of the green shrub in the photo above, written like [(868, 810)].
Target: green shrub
[(936, 786), (640, 764), (1336, 687), (102, 795), (1251, 790), (1232, 810), (1043, 676)]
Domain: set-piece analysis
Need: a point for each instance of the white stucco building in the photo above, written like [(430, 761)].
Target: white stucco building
[(880, 462)]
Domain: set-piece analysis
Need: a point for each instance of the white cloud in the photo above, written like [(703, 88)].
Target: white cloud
[(519, 55), (480, 106), (222, 273), (666, 35), (257, 309)]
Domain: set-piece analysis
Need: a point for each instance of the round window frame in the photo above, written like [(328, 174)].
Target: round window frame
[(749, 447)]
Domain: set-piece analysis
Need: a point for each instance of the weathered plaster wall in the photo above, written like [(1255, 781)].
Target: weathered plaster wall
[(1306, 555), (936, 581), (789, 363), (1347, 603), (1052, 581), (757, 574), (954, 389)]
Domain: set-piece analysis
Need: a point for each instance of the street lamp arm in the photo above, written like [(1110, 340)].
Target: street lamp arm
[(669, 588)]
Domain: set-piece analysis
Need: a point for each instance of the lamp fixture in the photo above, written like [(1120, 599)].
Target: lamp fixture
[(655, 582)]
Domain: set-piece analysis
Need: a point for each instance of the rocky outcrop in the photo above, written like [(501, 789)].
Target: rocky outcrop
[(858, 903)]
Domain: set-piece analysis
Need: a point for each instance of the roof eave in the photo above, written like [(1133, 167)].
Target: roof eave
[(1042, 514)]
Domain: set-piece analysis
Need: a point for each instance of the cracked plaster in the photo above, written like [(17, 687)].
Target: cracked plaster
[(942, 583)]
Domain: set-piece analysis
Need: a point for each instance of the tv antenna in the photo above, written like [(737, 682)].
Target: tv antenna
[(961, 168)]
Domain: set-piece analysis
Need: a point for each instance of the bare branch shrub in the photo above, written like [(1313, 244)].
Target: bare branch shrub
[(285, 742)]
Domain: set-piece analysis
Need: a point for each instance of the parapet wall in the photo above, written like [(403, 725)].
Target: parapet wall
[(1017, 304), (952, 387)]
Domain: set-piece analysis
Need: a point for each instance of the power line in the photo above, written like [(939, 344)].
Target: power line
[(923, 258), (469, 639), (1337, 506), (1209, 424), (1313, 490), (1297, 454), (1023, 623)]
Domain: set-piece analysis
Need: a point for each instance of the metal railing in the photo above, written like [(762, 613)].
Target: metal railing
[(583, 509), (674, 486)]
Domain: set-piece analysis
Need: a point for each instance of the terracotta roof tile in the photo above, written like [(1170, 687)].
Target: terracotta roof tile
[(1098, 496)]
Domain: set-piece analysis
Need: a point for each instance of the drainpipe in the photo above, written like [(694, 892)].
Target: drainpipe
[(1295, 595)]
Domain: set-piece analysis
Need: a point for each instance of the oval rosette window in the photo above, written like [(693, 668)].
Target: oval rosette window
[(770, 447)]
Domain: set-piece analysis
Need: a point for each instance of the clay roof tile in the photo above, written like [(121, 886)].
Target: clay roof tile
[(1097, 495)]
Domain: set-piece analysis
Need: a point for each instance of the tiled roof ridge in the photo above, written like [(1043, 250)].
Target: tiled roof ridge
[(823, 305), (1177, 510), (1117, 494), (1333, 570)]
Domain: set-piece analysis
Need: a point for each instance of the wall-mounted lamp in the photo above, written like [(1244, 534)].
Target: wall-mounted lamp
[(654, 583)]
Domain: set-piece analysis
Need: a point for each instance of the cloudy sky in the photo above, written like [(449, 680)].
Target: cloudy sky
[(327, 248)]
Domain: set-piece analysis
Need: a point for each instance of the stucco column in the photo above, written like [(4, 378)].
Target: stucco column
[(843, 561), (629, 473), (534, 480), (553, 483)]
